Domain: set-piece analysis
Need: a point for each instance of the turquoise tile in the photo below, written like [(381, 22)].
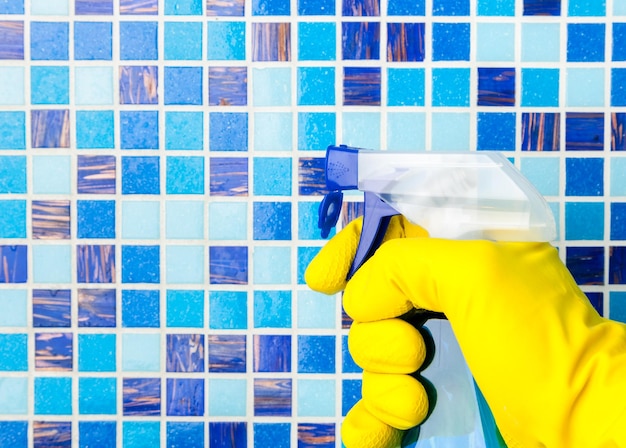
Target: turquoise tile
[(184, 220), (52, 263), (495, 42), (273, 131), (226, 41), (12, 174), (272, 309), (183, 41), (584, 221), (450, 131), (51, 174), (184, 130), (316, 398), (184, 264), (97, 396), (13, 353), (317, 41), (140, 434), (49, 85), (12, 130), (93, 86), (228, 220), (183, 7), (141, 352), (185, 308), (141, 220), (227, 397), (406, 131), (95, 129), (316, 130), (617, 306), (316, 86), (13, 219), (316, 310), (586, 8), (272, 265), (228, 310), (405, 86), (540, 87), (53, 396), (11, 86), (361, 129), (13, 311), (14, 396), (97, 352), (272, 176)]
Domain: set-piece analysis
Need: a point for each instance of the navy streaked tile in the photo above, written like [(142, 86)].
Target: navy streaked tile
[(225, 434), (95, 263), (496, 86), (139, 84), (11, 39), (271, 42), (54, 352), (227, 353), (584, 131), (96, 308), (312, 176), (541, 131), (96, 175), (542, 7), (228, 265), (52, 434), (316, 435), (360, 40), (362, 86), (14, 260), (272, 397), (51, 308), (586, 264), (405, 42), (139, 7), (185, 353), (185, 397), (94, 7), (360, 8), (142, 397), (272, 353), (228, 86), (225, 8), (50, 128), (51, 219)]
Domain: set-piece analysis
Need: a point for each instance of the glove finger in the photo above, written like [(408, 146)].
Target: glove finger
[(387, 346), (361, 429)]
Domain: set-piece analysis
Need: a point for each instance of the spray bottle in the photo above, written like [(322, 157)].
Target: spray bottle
[(470, 195)]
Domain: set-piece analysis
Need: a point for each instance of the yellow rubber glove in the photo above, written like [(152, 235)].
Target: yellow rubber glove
[(551, 369)]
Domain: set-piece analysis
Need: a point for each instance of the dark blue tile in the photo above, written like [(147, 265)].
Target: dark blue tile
[(14, 433), (350, 394), (225, 8), (96, 308), (362, 86), (405, 42), (49, 41), (50, 128), (272, 397), (584, 177), (585, 42), (228, 131), (617, 265), (185, 353), (451, 7), (139, 129), (597, 301), (141, 175), (618, 131), (51, 219), (451, 41), (98, 433), (316, 435), (272, 353), (271, 8), (139, 7), (52, 434), (139, 41), (347, 362), (11, 39), (496, 86), (586, 264), (141, 397), (316, 7), (496, 131), (139, 84), (53, 352), (52, 308), (360, 8), (183, 86), (272, 220), (185, 434), (228, 265), (618, 221), (312, 176), (229, 176), (350, 211), (316, 354), (228, 86), (93, 41), (361, 40), (542, 7), (95, 263), (276, 435), (15, 259), (228, 434), (584, 131), (227, 353), (94, 7), (271, 41), (141, 264), (406, 7), (141, 308), (541, 131), (96, 175), (96, 219), (619, 42), (185, 397)]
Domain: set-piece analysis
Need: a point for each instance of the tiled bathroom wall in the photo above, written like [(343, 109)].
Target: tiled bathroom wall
[(161, 162)]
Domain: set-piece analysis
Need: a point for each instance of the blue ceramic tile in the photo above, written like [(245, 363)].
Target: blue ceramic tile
[(496, 86), (451, 41), (16, 260), (618, 49), (360, 40), (185, 353), (95, 263), (584, 221), (271, 221), (187, 434), (50, 128), (95, 129), (305, 256), (362, 129), (541, 42), (49, 85), (228, 310), (185, 397), (13, 308), (451, 7), (96, 175), (140, 308), (228, 265), (184, 220), (96, 352), (99, 433), (272, 309), (228, 131), (138, 84), (618, 171), (184, 264), (540, 87), (94, 7), (405, 42), (501, 8), (13, 219), (316, 86), (277, 435), (228, 176), (184, 130), (360, 7), (14, 352), (273, 131), (585, 42), (586, 264), (311, 176), (597, 301), (183, 41), (96, 219), (316, 398), (97, 396), (618, 131), (316, 40), (138, 40), (11, 39), (543, 173), (13, 395), (141, 352), (183, 86), (307, 220), (585, 8), (316, 354), (139, 129), (584, 131), (316, 435), (140, 175), (228, 8), (542, 7), (272, 397), (226, 41), (227, 353), (12, 126), (347, 362), (584, 177), (228, 221), (139, 7), (140, 264), (228, 86), (316, 8), (51, 308), (361, 86), (271, 86), (184, 175), (405, 87), (272, 265), (228, 433), (495, 42), (183, 7), (49, 41), (350, 395), (141, 220), (96, 307), (618, 221), (270, 7), (14, 433), (316, 310), (451, 87), (47, 434), (496, 131), (12, 7), (142, 396), (93, 41), (52, 264), (541, 131), (12, 174), (227, 398), (316, 130), (406, 131), (53, 352), (137, 434), (93, 86), (618, 93), (185, 308), (271, 41), (617, 266)]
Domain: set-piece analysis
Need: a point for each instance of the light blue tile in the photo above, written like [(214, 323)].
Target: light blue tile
[(13, 396), (584, 221), (618, 174), (272, 309), (93, 85), (495, 42), (585, 87), (272, 265), (361, 129), (316, 310), (13, 308), (541, 42), (226, 41), (184, 220), (273, 131), (227, 397), (316, 130), (51, 174), (272, 176), (11, 86), (141, 220), (316, 398), (406, 131), (271, 86), (49, 7), (141, 352), (185, 264), (543, 173), (307, 221), (619, 7), (228, 220), (450, 131), (52, 264)]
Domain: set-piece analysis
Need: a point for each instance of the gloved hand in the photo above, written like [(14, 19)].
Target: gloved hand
[(551, 369)]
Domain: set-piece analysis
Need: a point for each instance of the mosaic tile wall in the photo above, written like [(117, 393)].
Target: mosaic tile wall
[(160, 167)]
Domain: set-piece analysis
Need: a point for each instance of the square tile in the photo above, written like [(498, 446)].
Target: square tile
[(272, 309), (51, 175), (49, 8), (361, 130), (93, 40), (141, 220), (188, 434), (584, 176), (14, 353), (360, 40), (405, 42), (53, 396), (96, 352), (184, 265), (184, 175), (12, 39), (97, 433), (138, 84), (12, 130), (97, 307), (496, 131), (584, 221), (543, 173), (226, 41), (271, 86), (95, 129), (584, 131), (228, 265), (229, 8), (227, 398), (316, 130), (223, 433), (11, 86), (272, 221), (15, 257), (14, 433), (272, 265), (185, 398), (541, 131), (585, 42), (183, 86), (277, 435), (185, 353), (489, 8), (316, 86), (406, 131), (139, 129), (451, 87), (49, 85), (271, 41), (184, 130), (97, 396), (183, 7), (586, 264), (405, 87), (13, 219), (185, 308), (141, 175), (228, 176), (49, 41), (496, 86), (618, 94), (96, 219), (228, 131), (541, 42), (50, 128), (270, 7), (227, 353), (13, 304), (140, 308), (318, 435), (618, 131), (272, 397), (618, 217), (52, 263), (272, 176), (94, 7), (96, 175), (542, 8), (228, 311), (228, 221), (138, 40), (141, 352), (13, 174), (451, 41), (451, 8), (316, 398), (540, 87), (14, 396), (361, 86), (137, 434), (316, 40), (316, 354), (140, 264), (141, 398), (139, 7), (184, 220), (47, 433), (273, 131), (183, 41), (51, 308), (12, 7), (54, 352)]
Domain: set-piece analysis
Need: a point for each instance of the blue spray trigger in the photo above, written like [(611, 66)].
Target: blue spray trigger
[(328, 212)]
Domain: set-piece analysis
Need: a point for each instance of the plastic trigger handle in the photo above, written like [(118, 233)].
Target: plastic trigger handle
[(328, 212)]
